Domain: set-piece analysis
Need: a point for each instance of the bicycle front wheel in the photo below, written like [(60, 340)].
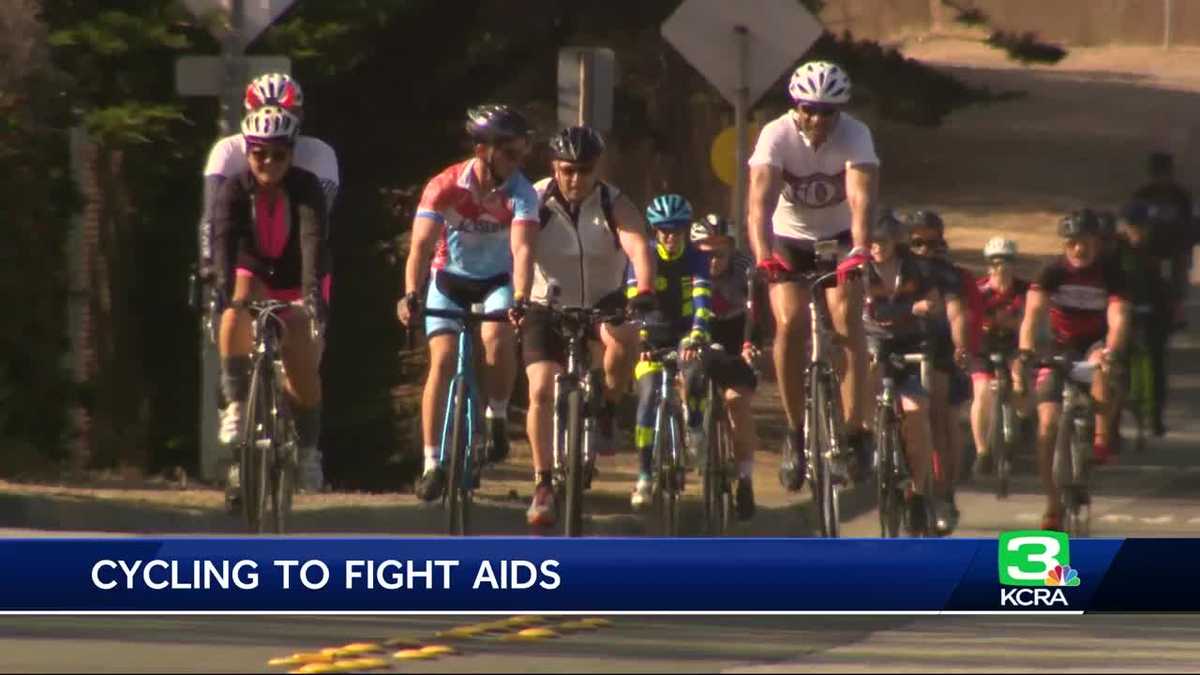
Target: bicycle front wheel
[(891, 497), (256, 447), (666, 445), (820, 448), (458, 490), (996, 443), (575, 468), (714, 469)]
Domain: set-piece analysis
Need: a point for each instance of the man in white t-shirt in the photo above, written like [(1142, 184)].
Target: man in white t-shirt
[(813, 177)]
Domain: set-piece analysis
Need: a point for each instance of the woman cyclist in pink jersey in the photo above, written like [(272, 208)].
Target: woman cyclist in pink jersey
[(269, 227)]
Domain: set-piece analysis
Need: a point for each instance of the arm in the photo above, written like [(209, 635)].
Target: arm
[(426, 231), (212, 186), (862, 181), (957, 315), (1035, 313), (702, 313), (523, 237), (766, 181), (631, 233), (1118, 325), (313, 217)]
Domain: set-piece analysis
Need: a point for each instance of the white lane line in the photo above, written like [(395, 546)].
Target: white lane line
[(1116, 518), (1158, 520)]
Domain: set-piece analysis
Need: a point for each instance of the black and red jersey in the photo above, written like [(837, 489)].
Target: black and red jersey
[(1079, 298), (1001, 313)]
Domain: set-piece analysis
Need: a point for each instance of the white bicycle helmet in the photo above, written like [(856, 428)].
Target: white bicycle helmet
[(276, 89), (270, 123), (999, 247), (820, 82)]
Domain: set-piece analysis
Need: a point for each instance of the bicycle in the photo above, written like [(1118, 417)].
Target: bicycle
[(461, 443), (824, 425), (892, 468), (1073, 443), (577, 405), (720, 468), (269, 449), (1003, 426), (667, 456)]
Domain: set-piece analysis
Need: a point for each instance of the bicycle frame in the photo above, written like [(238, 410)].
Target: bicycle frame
[(463, 370)]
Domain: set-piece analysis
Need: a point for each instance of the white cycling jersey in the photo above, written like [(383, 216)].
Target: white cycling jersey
[(812, 204), (228, 158)]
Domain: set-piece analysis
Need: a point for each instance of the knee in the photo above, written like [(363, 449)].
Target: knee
[(541, 391), (441, 363), (498, 338)]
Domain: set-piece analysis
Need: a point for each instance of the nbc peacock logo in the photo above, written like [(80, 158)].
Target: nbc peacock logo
[(1062, 575)]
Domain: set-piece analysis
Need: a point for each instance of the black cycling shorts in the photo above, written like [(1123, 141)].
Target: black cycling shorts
[(798, 256), (729, 371), (542, 339)]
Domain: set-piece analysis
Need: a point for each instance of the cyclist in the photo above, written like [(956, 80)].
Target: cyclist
[(1148, 291), (813, 176), (477, 223), (1003, 296), (590, 233), (1172, 235), (1085, 302), (958, 334), (904, 301), (269, 227), (731, 367), (228, 158), (682, 317)]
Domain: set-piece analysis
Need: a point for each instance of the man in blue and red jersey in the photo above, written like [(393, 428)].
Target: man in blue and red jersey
[(1086, 302), (476, 223)]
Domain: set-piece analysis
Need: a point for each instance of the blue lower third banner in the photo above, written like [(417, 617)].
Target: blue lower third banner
[(1028, 570)]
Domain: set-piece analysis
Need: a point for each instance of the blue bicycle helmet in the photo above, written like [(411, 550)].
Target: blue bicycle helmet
[(669, 212)]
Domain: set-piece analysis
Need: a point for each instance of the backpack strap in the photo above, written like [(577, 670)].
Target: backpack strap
[(606, 206)]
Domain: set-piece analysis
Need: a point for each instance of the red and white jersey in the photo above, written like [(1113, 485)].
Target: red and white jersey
[(813, 203), (475, 234)]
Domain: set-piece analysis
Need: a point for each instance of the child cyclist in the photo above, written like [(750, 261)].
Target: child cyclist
[(684, 297)]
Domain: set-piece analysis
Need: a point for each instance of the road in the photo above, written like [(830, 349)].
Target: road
[(1149, 494)]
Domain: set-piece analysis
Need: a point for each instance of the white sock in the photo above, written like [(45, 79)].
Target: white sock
[(431, 457), (746, 468), (497, 409)]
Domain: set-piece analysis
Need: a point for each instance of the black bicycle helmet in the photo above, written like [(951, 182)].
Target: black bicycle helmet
[(889, 227), (577, 145), (926, 219), (1081, 223), (492, 123)]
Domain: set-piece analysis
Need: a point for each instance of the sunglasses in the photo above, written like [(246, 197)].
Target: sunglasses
[(818, 109), (577, 169), (263, 155), (918, 242), (999, 262)]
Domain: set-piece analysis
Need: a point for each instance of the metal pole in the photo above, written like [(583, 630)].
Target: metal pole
[(585, 115), (234, 79), (740, 111), (1168, 12)]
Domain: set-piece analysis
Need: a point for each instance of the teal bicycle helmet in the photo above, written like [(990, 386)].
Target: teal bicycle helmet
[(669, 212)]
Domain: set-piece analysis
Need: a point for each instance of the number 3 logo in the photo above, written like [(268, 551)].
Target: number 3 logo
[(1027, 557)]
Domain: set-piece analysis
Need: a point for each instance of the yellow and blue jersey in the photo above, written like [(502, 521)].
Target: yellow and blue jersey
[(683, 290)]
